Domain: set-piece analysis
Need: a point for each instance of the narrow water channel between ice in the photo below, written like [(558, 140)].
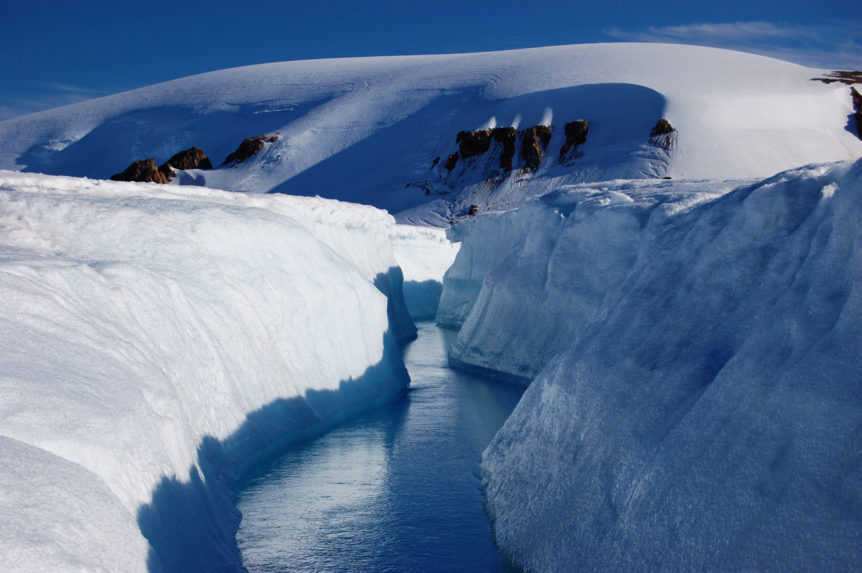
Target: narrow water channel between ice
[(395, 490)]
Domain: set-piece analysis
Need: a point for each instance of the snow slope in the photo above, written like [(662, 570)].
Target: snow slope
[(704, 412), (155, 342), (363, 129)]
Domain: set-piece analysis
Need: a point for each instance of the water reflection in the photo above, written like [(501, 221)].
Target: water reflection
[(395, 490)]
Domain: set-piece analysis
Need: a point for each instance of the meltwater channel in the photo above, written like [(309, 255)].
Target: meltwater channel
[(397, 489)]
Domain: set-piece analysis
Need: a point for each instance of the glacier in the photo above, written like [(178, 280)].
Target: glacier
[(156, 345), (699, 407), (691, 345)]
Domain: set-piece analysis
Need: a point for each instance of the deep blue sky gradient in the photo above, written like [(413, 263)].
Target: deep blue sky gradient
[(56, 52)]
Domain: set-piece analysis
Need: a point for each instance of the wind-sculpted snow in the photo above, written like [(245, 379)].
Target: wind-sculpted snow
[(155, 344), (361, 129), (705, 412)]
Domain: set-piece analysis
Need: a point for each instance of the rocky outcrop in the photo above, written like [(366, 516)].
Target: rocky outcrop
[(192, 158), (857, 103), (533, 145), (471, 143), (576, 134), (663, 135), (505, 136), (451, 161), (847, 77), (249, 147), (145, 171)]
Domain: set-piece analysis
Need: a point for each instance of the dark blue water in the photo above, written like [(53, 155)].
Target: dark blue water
[(396, 490)]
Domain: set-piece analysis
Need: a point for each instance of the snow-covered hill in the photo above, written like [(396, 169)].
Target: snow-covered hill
[(156, 341), (696, 355), (697, 404), (368, 130)]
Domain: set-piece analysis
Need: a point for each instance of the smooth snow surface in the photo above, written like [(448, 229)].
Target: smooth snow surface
[(367, 129), (155, 341), (705, 410)]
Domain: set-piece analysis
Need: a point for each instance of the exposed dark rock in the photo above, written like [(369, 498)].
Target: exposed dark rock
[(474, 209), (192, 158), (663, 134), (435, 162), (576, 134), (472, 143), (847, 77), (505, 136), (533, 145), (857, 103), (144, 171), (662, 127), (451, 161), (249, 147)]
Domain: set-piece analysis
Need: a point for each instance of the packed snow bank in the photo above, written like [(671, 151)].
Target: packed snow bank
[(526, 281), (361, 129), (423, 254), (153, 343), (707, 415)]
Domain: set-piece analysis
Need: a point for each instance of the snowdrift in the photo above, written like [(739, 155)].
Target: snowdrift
[(704, 411), (155, 345), (368, 129)]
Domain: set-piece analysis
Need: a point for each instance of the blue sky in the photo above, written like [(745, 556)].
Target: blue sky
[(57, 52)]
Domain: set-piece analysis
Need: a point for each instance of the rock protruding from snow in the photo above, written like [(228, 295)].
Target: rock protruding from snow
[(663, 134), (505, 136), (576, 135), (848, 77), (706, 414), (534, 141), (857, 104), (472, 143), (192, 158), (249, 147), (144, 171)]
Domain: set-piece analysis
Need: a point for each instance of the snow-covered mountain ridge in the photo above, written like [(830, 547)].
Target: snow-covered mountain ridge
[(362, 129)]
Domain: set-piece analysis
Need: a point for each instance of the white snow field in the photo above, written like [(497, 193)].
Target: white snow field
[(367, 129), (155, 342), (704, 410)]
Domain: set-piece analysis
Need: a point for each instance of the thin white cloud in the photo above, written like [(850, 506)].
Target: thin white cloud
[(831, 45)]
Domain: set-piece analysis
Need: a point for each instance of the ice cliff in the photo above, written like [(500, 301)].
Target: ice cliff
[(154, 345), (697, 401)]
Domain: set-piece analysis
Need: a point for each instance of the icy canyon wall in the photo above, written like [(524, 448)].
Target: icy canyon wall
[(697, 404), (155, 344)]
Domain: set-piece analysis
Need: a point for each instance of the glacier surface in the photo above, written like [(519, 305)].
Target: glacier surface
[(154, 345), (704, 409)]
